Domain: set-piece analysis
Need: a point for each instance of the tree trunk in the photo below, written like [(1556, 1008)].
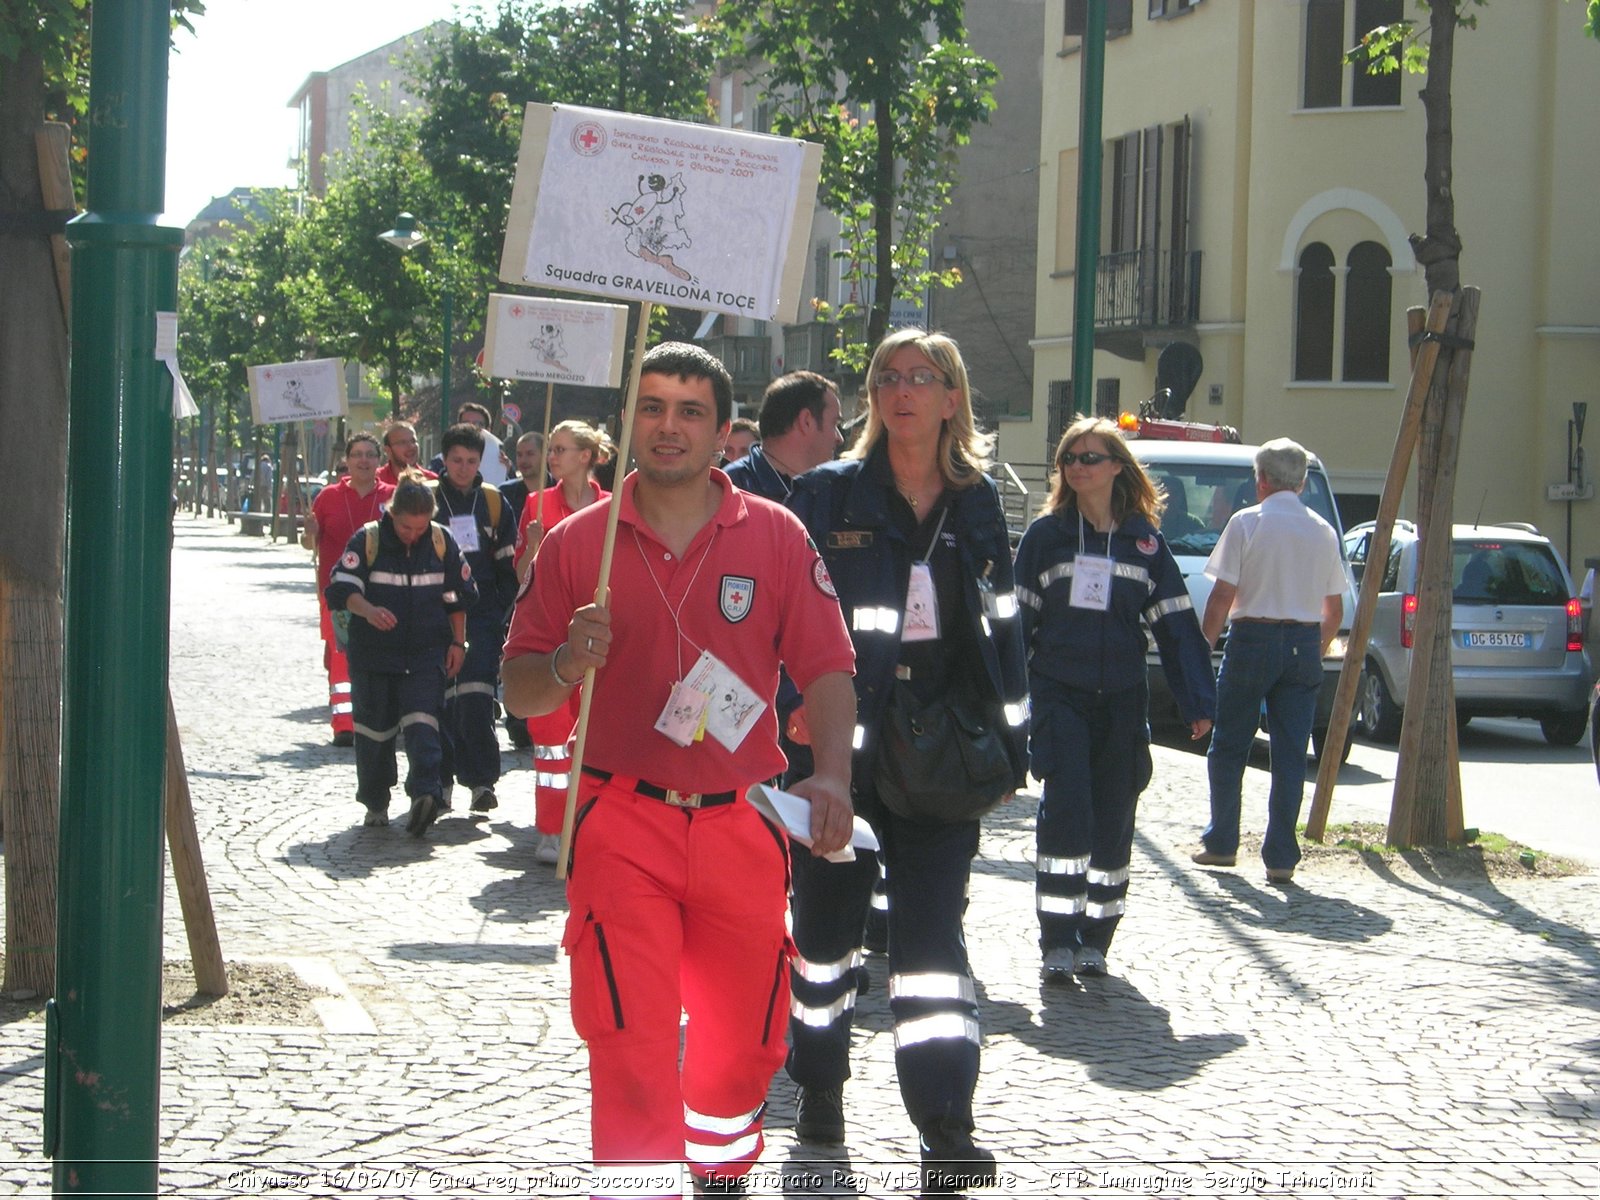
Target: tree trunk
[(33, 420), (1439, 250)]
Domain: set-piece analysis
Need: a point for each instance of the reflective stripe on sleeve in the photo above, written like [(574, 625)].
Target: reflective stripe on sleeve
[(354, 581), (873, 619)]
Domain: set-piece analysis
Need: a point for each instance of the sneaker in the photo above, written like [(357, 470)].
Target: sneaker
[(344, 737), (1056, 967), (375, 818), (1205, 858), (1280, 874), (548, 850), (1086, 960), (483, 800), (952, 1166), (425, 810), (819, 1115)]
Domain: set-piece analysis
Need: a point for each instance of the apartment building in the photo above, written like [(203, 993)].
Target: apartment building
[(1257, 197)]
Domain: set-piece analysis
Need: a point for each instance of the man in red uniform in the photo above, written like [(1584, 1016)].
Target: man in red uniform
[(338, 511), (677, 887), (401, 450)]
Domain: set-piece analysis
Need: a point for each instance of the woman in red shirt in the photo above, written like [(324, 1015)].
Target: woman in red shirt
[(338, 511), (573, 452)]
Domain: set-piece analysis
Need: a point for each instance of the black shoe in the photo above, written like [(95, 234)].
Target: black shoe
[(719, 1187), (819, 1115), (424, 809), (483, 800), (953, 1165), (343, 737)]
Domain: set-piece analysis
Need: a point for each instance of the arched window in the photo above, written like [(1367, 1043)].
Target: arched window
[(1367, 294), (1313, 326)]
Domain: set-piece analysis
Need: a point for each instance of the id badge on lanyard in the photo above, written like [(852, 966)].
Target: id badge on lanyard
[(465, 531), (1091, 576), (922, 599)]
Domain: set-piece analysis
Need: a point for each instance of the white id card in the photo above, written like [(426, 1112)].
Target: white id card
[(922, 606), (1091, 583), (734, 707), (685, 714), (465, 531)]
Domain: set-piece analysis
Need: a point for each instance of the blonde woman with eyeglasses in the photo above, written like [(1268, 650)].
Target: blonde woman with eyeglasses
[(1093, 572), (916, 548)]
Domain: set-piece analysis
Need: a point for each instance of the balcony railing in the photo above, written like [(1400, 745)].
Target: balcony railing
[(748, 359), (1147, 289), (808, 347)]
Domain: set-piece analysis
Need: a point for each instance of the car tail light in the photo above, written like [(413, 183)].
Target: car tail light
[(1408, 619), (1574, 624)]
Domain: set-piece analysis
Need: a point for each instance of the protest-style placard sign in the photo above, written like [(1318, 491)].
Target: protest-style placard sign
[(297, 391), (669, 212), (554, 341)]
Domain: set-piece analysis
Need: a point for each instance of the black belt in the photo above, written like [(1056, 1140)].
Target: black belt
[(1275, 621), (672, 796)]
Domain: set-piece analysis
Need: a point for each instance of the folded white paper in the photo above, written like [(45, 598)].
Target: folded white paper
[(793, 813)]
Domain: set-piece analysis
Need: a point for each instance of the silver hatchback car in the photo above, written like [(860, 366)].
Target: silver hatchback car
[(1516, 631)]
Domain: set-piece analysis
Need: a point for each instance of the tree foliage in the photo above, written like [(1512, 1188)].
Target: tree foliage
[(890, 100)]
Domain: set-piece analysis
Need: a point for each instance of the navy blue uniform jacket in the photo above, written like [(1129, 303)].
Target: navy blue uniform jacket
[(1105, 651), (844, 506), (416, 585)]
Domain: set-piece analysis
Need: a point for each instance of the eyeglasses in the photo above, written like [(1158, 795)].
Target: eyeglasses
[(372, 454), (921, 377), (1088, 458)]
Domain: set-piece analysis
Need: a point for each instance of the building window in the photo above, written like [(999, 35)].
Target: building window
[(1332, 27), (1147, 275), (1161, 9), (824, 271), (1059, 414), (1119, 17), (1367, 296), (1108, 398), (1313, 310)]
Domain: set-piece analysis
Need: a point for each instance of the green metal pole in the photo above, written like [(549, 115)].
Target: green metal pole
[(1089, 156), (444, 373), (103, 1041)]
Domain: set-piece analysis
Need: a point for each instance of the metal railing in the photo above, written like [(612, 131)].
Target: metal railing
[(1147, 289)]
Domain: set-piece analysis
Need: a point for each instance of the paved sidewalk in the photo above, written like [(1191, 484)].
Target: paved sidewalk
[(1363, 1033)]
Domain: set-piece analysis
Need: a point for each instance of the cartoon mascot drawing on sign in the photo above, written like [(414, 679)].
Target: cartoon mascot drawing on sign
[(655, 222)]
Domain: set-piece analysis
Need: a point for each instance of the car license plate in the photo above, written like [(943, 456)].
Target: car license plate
[(1499, 639)]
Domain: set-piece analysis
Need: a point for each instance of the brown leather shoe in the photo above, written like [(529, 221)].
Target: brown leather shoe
[(1280, 874), (1205, 858)]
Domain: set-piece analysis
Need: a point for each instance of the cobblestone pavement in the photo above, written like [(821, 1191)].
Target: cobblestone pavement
[(1362, 1033)]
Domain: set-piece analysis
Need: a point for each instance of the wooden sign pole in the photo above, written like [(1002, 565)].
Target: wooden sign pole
[(603, 586)]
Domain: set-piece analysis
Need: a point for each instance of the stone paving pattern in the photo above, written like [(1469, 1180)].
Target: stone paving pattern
[(1362, 1033)]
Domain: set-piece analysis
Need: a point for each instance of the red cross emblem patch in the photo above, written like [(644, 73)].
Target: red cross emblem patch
[(737, 591)]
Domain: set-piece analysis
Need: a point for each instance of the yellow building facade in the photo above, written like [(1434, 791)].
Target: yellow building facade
[(1256, 203)]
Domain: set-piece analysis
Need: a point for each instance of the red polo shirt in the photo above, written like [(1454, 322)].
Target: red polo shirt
[(555, 510), (340, 511), (753, 591), (387, 474)]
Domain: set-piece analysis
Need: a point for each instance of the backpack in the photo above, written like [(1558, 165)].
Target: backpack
[(341, 617)]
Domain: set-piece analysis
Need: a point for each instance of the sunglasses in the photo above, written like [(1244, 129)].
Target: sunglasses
[(1088, 458), (919, 377)]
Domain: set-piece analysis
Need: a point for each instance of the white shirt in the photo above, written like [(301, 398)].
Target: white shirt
[(1282, 558)]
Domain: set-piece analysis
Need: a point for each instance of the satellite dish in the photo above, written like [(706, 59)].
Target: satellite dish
[(1178, 369)]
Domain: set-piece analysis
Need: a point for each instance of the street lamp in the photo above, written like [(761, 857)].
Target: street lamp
[(404, 237)]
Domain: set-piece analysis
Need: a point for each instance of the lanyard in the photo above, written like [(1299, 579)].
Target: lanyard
[(1084, 545), (933, 542), (677, 645)]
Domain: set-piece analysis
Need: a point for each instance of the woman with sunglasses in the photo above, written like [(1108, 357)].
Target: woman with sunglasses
[(915, 545), (1092, 572), (574, 450)]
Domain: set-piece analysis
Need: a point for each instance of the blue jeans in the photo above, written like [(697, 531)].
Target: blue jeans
[(1281, 665)]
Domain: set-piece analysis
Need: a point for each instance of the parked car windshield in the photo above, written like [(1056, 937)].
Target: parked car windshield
[(1202, 496), (1491, 572)]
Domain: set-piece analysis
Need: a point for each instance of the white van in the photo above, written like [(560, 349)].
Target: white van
[(1206, 483)]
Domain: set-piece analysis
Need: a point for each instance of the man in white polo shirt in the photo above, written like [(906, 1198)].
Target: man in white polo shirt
[(1278, 585)]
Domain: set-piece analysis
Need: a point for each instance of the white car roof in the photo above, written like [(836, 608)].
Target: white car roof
[(1159, 450)]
